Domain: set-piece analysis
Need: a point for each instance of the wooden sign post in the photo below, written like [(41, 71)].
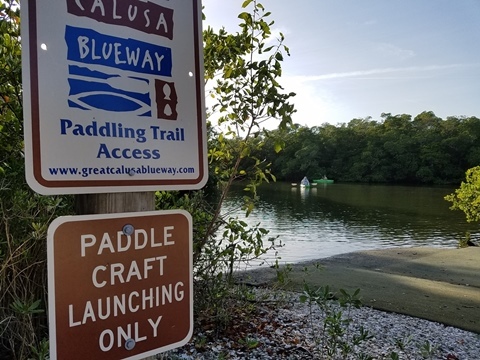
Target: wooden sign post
[(115, 203), (114, 109)]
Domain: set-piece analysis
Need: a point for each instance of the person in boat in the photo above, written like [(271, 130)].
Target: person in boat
[(305, 181)]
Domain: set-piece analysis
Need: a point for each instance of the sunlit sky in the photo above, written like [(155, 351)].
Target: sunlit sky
[(360, 58)]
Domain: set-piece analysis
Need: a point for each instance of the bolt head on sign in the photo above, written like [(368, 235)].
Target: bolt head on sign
[(119, 285), (113, 95)]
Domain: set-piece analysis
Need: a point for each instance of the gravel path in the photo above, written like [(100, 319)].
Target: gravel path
[(285, 328)]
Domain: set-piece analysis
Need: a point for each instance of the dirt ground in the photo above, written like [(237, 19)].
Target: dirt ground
[(436, 284)]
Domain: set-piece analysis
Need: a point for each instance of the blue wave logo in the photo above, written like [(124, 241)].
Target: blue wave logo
[(90, 89)]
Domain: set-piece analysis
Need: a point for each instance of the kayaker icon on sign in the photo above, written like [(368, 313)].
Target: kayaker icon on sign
[(166, 99)]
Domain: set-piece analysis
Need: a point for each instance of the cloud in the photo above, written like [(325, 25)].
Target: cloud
[(392, 51), (275, 35), (315, 105), (381, 71), (317, 102)]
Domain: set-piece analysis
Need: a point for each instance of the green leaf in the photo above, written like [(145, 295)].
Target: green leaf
[(249, 209), (246, 3), (278, 146), (244, 16)]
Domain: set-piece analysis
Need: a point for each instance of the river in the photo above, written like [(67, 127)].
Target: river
[(332, 219)]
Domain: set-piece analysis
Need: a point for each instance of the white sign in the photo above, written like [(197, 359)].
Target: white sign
[(113, 95)]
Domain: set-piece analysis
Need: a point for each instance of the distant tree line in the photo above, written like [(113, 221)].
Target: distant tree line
[(396, 149)]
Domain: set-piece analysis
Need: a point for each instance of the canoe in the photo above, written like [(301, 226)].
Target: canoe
[(323, 181)]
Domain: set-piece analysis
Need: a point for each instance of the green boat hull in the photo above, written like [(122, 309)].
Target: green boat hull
[(323, 181)]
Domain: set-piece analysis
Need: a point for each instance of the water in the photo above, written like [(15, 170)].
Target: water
[(332, 219)]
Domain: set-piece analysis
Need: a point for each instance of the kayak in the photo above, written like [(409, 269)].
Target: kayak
[(303, 186), (323, 181)]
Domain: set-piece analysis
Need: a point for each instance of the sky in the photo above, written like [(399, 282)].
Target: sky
[(354, 59)]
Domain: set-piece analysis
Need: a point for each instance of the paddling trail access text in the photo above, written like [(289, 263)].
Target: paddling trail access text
[(153, 134), (106, 130)]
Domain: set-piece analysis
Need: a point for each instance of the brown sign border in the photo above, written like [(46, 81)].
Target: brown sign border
[(64, 223)]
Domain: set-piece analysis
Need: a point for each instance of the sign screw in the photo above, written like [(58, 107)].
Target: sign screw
[(128, 229), (129, 344)]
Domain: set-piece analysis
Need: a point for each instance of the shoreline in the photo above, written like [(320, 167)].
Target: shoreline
[(436, 284)]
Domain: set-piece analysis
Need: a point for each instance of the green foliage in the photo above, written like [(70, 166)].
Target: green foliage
[(363, 356), (25, 216), (394, 356), (243, 69), (282, 274), (245, 93), (426, 349), (11, 126), (336, 337), (467, 197), (23, 273), (465, 241), (26, 308), (403, 343), (231, 245), (394, 149), (249, 342), (41, 352)]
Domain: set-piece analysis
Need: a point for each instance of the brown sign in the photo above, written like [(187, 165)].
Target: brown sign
[(120, 285)]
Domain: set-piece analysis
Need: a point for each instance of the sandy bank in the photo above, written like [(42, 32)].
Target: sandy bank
[(436, 284)]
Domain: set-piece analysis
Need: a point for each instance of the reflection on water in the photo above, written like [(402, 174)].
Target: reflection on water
[(331, 219)]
